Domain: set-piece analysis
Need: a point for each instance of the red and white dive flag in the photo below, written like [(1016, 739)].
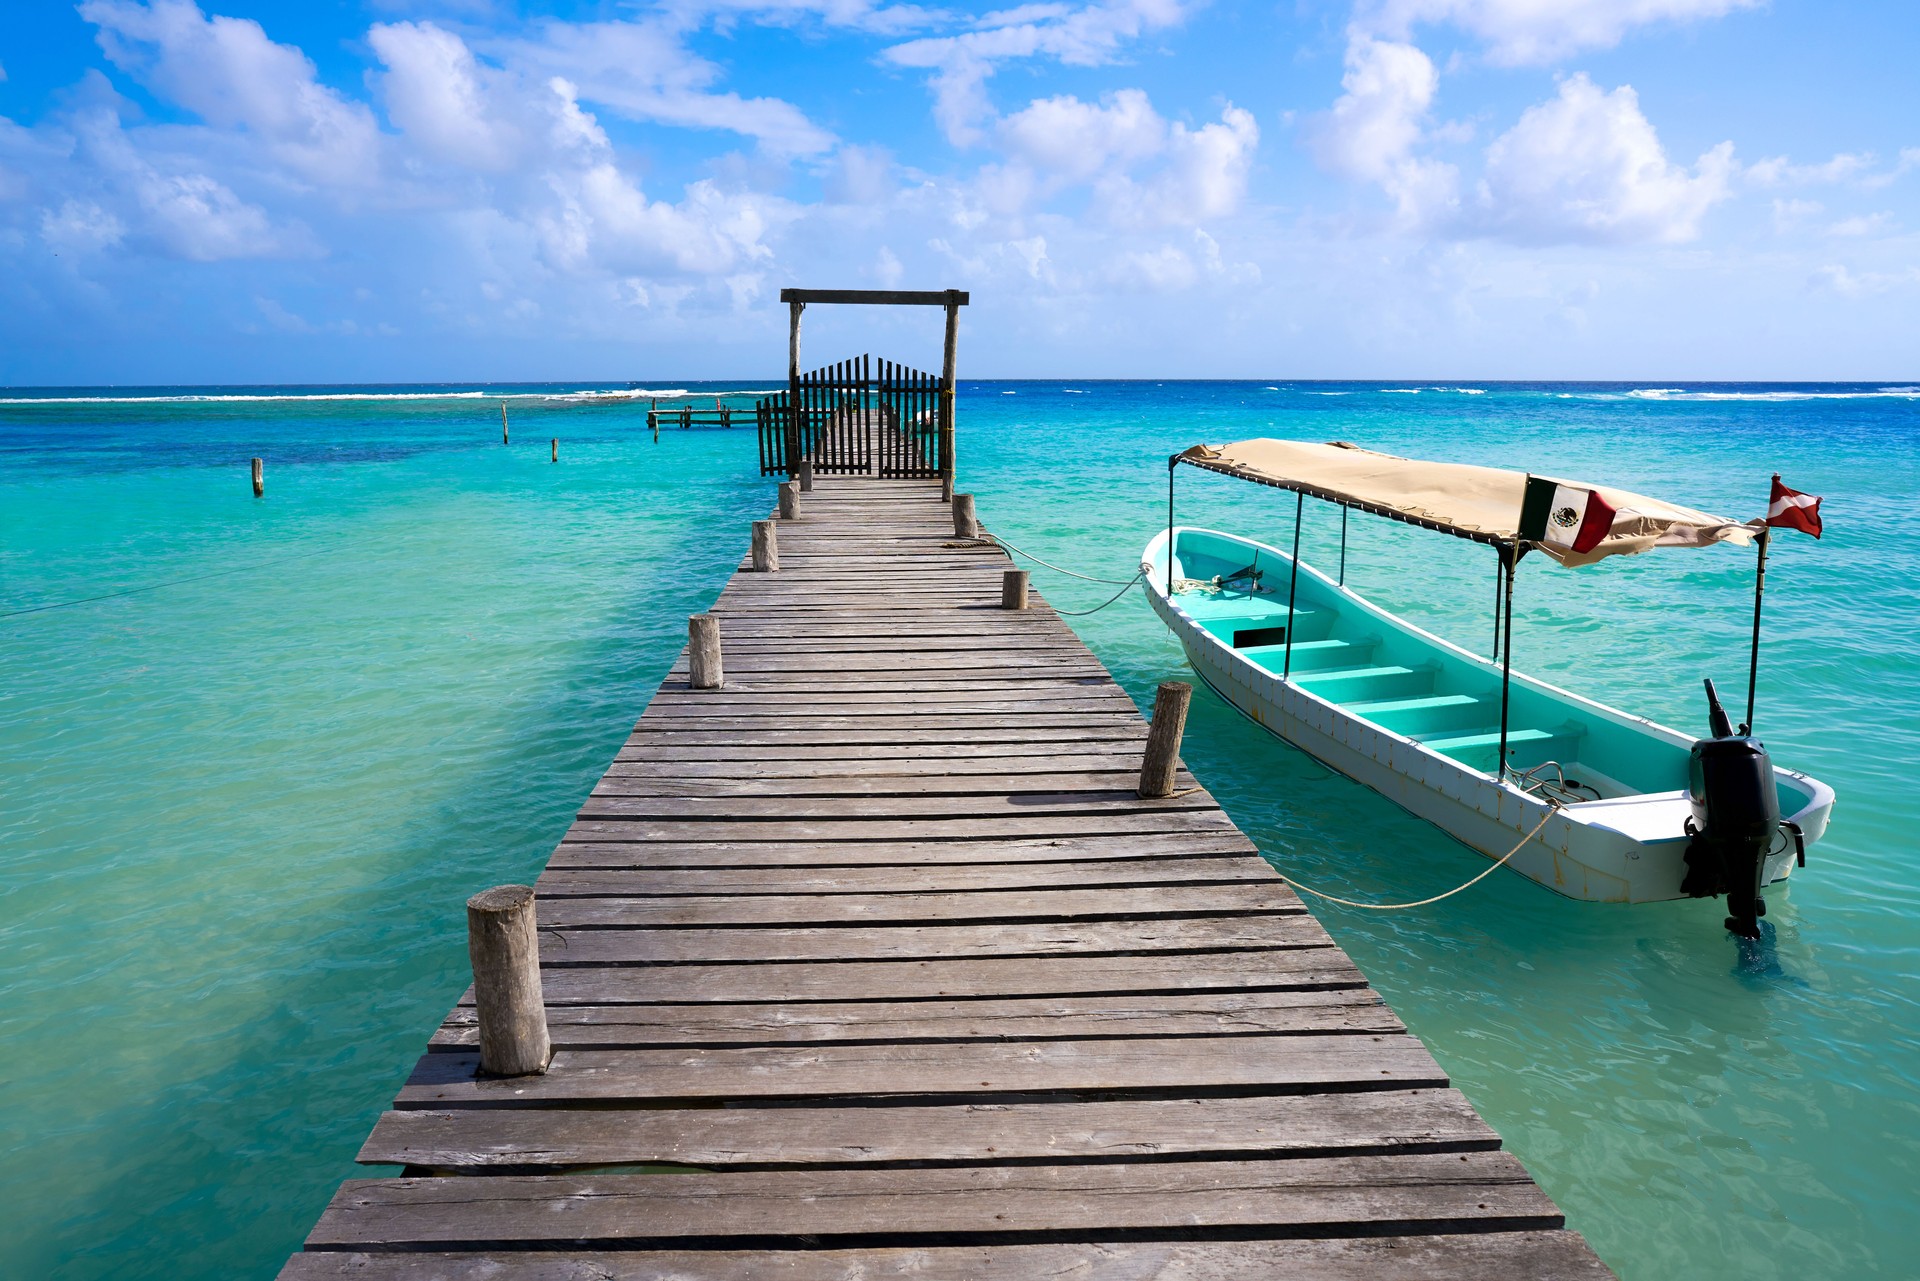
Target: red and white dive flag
[(1564, 516), (1791, 509)]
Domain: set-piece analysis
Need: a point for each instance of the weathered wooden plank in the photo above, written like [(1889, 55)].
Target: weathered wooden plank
[(1039, 755), (1349, 1195), (882, 808), (1499, 1256), (557, 883), (1051, 1018), (1063, 974), (588, 945), (1142, 822), (1298, 1125), (647, 765), (971, 906), (1297, 1064), (823, 731), (607, 851), (624, 781)]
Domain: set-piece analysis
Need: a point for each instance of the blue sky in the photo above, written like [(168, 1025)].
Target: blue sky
[(345, 191)]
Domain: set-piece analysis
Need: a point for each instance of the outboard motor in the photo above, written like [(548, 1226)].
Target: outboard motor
[(1736, 816)]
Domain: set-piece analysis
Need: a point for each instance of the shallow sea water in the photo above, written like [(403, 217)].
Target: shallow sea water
[(240, 806)]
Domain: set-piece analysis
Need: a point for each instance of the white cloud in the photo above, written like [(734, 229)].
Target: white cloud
[(80, 226), (1519, 32), (1074, 141), (1778, 171), (1379, 119), (1850, 284), (1087, 36), (226, 71), (1143, 169), (643, 71), (433, 94), (1863, 225), (1588, 166)]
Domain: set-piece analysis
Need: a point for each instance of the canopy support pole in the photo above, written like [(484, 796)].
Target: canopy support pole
[(1343, 544), (1172, 462), (1753, 656), (1497, 576), (1509, 561), (1293, 583)]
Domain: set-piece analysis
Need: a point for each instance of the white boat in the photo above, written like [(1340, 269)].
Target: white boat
[(1614, 802)]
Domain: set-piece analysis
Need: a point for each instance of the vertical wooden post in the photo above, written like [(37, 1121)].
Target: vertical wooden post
[(793, 387), (766, 547), (790, 500), (653, 419), (1162, 756), (556, 449), (1013, 589), (949, 354), (503, 422), (964, 524), (806, 475), (503, 942), (703, 652), (259, 478)]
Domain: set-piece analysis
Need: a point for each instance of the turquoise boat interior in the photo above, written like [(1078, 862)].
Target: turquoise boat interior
[(1385, 671)]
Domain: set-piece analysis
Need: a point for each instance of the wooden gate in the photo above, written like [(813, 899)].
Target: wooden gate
[(860, 417)]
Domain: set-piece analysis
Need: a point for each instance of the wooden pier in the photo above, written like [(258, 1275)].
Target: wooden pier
[(872, 964)]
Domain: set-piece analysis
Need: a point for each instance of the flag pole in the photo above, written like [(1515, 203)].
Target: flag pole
[(1753, 656)]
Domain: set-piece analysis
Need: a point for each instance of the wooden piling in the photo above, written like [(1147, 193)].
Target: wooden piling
[(503, 422), (1162, 756), (556, 449), (703, 652), (1013, 589), (503, 941), (766, 547), (806, 475), (964, 523), (790, 500), (259, 478)]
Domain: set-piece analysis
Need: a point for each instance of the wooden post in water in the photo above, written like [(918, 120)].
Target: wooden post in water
[(806, 475), (1013, 589), (556, 449), (503, 422), (503, 941), (703, 652), (259, 478), (1162, 756), (653, 419), (766, 547), (964, 524), (790, 500), (948, 357)]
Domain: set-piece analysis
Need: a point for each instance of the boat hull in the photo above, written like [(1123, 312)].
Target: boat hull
[(1624, 849)]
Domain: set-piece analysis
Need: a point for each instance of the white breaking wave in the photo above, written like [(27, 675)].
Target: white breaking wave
[(269, 397), (1677, 393)]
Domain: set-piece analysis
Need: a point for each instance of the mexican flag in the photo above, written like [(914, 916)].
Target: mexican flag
[(1564, 516)]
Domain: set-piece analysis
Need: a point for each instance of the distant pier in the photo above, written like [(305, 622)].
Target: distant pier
[(873, 963)]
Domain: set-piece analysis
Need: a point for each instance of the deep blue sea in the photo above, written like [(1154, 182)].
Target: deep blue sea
[(254, 754)]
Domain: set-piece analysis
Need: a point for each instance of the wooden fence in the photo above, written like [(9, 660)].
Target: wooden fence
[(862, 417)]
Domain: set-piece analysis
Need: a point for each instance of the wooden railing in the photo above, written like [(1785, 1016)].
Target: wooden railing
[(685, 415)]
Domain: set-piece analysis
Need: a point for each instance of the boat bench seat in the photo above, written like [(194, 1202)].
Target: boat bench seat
[(1345, 685), (1483, 738), (1426, 714), (1310, 655)]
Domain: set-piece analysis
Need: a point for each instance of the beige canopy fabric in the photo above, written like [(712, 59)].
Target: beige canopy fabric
[(1482, 503)]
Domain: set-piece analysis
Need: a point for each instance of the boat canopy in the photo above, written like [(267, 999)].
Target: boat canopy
[(1479, 503)]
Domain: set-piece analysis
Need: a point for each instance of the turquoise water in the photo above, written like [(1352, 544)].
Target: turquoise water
[(243, 803)]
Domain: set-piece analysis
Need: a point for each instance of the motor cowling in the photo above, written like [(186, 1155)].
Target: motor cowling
[(1735, 819)]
